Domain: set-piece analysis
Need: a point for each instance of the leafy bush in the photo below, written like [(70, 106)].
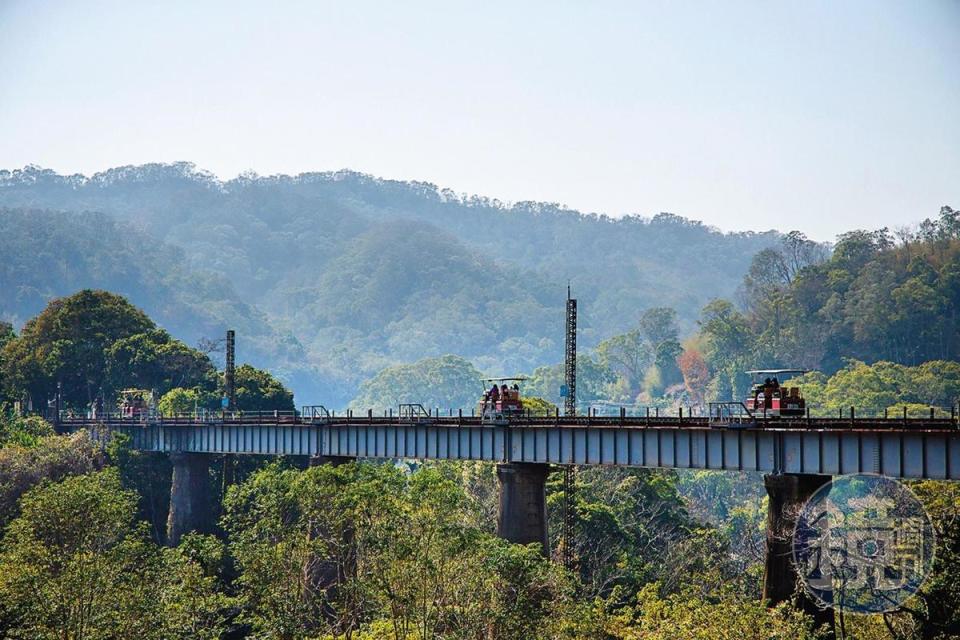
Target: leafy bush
[(52, 458)]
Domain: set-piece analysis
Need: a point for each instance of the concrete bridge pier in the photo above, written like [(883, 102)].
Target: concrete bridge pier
[(190, 506), (788, 492), (522, 516)]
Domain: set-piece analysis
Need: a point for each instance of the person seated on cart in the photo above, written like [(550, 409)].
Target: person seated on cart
[(494, 393)]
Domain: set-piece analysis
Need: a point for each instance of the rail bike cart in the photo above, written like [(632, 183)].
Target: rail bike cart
[(770, 399), (136, 404), (500, 401)]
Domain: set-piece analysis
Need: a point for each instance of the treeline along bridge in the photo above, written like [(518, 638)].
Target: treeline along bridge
[(796, 456)]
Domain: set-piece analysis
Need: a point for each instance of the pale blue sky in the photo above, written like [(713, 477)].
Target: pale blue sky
[(747, 115)]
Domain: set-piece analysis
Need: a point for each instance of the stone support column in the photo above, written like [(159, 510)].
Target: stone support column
[(522, 516), (190, 507), (788, 492)]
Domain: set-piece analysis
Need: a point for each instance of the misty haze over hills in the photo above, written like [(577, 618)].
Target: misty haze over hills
[(329, 277)]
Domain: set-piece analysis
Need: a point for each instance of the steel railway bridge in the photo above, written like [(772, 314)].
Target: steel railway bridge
[(895, 447)]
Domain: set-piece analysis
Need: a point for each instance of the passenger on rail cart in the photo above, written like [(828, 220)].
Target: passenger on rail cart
[(501, 401), (771, 399), (135, 403)]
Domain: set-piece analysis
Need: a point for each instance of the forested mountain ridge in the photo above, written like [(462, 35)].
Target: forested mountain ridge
[(47, 254), (367, 272), (878, 297), (47, 251), (876, 321)]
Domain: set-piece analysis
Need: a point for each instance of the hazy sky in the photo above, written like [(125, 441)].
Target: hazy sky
[(747, 115)]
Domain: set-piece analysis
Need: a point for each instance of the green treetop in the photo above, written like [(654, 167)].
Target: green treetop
[(96, 341), (258, 390), (68, 342)]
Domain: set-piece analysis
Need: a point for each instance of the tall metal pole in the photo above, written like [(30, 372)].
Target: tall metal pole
[(229, 380), (58, 404), (569, 409), (570, 358), (230, 393)]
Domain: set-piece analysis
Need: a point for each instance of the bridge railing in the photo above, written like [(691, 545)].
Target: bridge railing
[(413, 411), (191, 417), (719, 414), (724, 414), (314, 412)]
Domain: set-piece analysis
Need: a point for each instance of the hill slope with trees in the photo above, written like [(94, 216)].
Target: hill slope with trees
[(360, 272), (878, 297), (876, 321)]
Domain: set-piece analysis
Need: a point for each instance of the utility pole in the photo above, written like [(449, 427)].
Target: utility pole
[(569, 409), (229, 380), (570, 358), (58, 404), (229, 404)]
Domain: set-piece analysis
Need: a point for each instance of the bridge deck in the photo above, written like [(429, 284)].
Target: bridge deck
[(928, 448)]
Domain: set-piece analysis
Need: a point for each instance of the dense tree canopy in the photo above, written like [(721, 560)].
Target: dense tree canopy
[(259, 390), (96, 342), (411, 568), (74, 564), (876, 298), (800, 308), (68, 343), (873, 389), (25, 463), (6, 335), (179, 401), (154, 360), (873, 299)]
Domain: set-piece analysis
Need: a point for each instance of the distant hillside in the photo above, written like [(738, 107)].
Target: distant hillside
[(366, 272), (45, 254)]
